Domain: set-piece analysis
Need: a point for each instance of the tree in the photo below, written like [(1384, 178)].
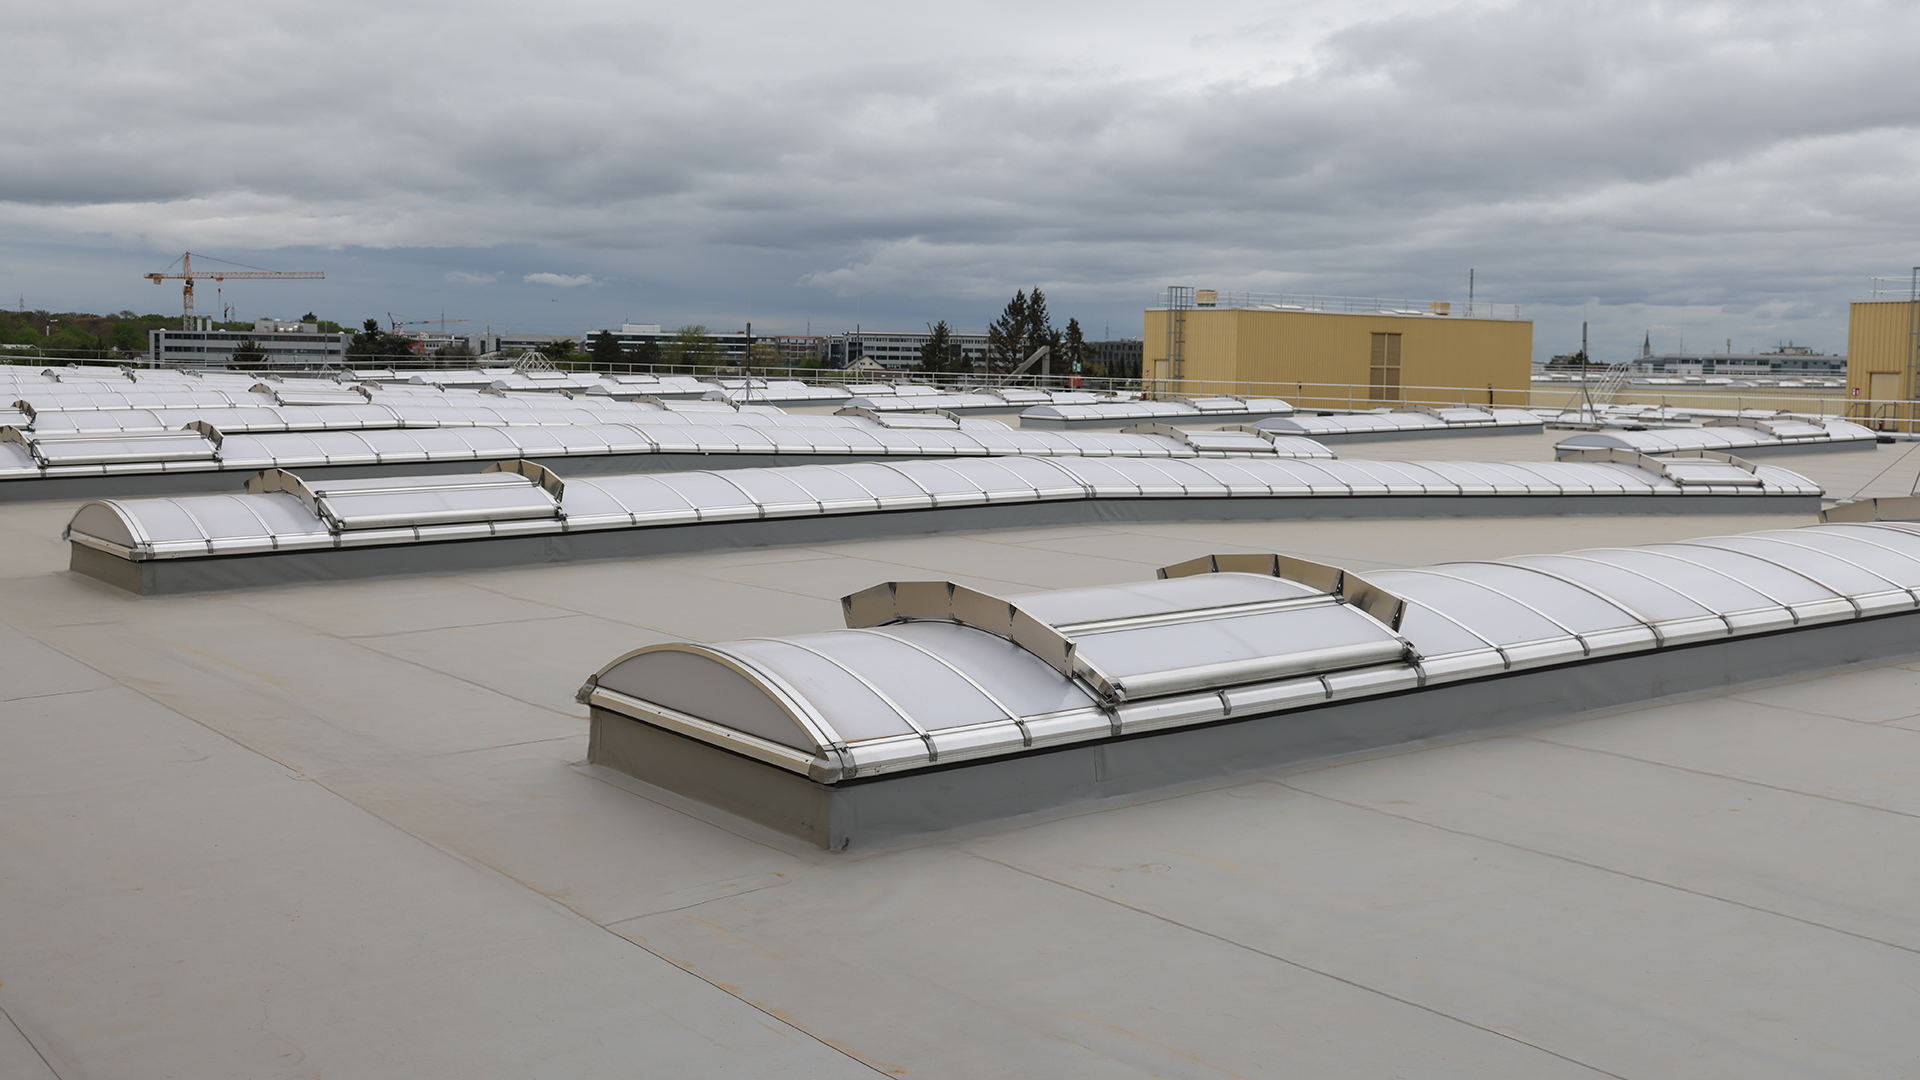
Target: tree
[(248, 354), (939, 355), (1007, 336), (645, 352), (129, 338), (375, 344), (558, 350), (763, 355), (1074, 348), (605, 349), (691, 346), (1039, 323)]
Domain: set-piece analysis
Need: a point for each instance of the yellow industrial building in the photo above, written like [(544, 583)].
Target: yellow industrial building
[(1880, 359), (1314, 356)]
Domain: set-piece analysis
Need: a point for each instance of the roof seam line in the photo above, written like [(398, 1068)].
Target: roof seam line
[(1730, 778), (782, 1021), (1607, 870), (1300, 965)]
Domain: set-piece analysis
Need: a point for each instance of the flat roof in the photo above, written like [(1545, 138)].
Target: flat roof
[(346, 828)]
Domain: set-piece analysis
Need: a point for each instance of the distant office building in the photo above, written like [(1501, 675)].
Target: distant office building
[(286, 344), (508, 342), (798, 349), (892, 350), (730, 346), (1121, 357), (1786, 362)]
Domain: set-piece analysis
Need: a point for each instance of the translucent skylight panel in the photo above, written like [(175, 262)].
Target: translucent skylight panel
[(1034, 440), (945, 484), (996, 476), (1162, 477), (377, 510), (1235, 480), (830, 486), (1645, 595), (1566, 602), (1022, 681), (16, 458), (775, 492), (1833, 572), (1434, 634), (715, 496), (487, 442), (840, 440), (1776, 581), (905, 442), (932, 693), (1289, 641), (340, 447), (285, 515), (1886, 554), (1288, 476), (189, 446), (747, 440), (1796, 429), (594, 438), (1499, 619), (224, 517), (400, 444), (442, 443), (585, 502), (1470, 480), (854, 710), (998, 442), (1394, 477), (1617, 478), (160, 521), (1353, 476), (892, 486), (1417, 475), (647, 497)]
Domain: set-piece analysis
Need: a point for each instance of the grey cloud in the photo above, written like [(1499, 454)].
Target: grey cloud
[(1647, 154)]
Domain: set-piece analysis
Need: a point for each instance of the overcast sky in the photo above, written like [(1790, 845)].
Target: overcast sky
[(1709, 170)]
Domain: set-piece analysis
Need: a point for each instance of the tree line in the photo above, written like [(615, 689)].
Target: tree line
[(1024, 327), (78, 335)]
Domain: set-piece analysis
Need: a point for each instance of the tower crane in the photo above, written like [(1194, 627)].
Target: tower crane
[(187, 274), (441, 323)]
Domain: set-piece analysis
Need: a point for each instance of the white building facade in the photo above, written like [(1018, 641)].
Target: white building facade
[(286, 344)]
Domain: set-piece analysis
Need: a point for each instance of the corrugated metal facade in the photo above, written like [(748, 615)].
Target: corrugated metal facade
[(1254, 351)]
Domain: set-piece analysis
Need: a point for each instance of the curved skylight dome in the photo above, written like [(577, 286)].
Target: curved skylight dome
[(268, 519), (1167, 410), (932, 673), (1410, 422), (1735, 435)]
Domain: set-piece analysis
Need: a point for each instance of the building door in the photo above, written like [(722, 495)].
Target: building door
[(1383, 368), (1883, 388)]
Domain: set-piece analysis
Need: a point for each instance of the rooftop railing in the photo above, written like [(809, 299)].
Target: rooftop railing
[(1216, 299)]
